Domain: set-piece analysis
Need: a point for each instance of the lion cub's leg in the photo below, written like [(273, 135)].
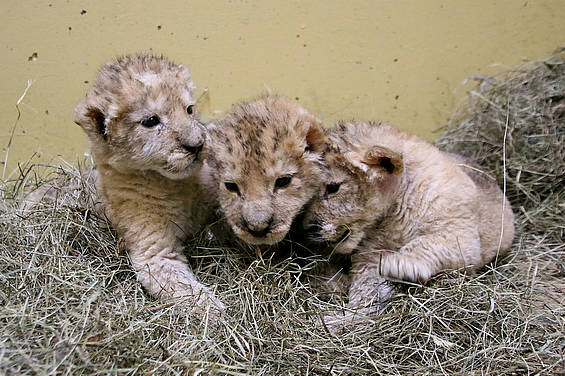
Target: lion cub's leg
[(330, 278), (427, 255), (368, 288), (166, 275), (162, 268), (367, 294)]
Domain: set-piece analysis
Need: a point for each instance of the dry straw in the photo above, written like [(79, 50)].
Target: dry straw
[(69, 302)]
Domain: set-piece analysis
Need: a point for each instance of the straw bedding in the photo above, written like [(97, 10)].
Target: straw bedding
[(70, 304)]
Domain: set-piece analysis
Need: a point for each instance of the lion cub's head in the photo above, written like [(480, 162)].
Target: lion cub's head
[(267, 157), (359, 180), (140, 115)]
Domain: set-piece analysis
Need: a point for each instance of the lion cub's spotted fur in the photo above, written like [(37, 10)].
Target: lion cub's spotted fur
[(404, 209), (266, 154), (146, 140)]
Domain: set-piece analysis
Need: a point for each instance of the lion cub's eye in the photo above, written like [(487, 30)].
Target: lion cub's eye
[(282, 182), (190, 109), (150, 122), (232, 187), (332, 188)]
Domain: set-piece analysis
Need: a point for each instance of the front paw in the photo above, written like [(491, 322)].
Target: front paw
[(405, 267), (341, 322), (366, 302), (370, 294), (200, 298)]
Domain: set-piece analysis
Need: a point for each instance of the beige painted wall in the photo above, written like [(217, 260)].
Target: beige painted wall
[(402, 61)]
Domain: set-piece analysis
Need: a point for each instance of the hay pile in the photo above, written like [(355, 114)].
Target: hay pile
[(69, 302)]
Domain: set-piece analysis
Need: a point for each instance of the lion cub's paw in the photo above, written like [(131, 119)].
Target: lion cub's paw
[(200, 297), (365, 303), (341, 322)]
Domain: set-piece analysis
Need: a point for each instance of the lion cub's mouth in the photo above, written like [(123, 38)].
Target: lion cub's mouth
[(194, 151), (181, 164), (191, 155), (343, 237), (317, 235), (270, 237), (188, 151)]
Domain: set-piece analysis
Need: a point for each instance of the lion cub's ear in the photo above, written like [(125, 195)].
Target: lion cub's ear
[(315, 138), (313, 131), (384, 160), (91, 119)]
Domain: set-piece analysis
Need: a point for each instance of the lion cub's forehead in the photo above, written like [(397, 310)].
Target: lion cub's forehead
[(343, 161), (347, 137), (336, 168), (162, 89), (143, 77), (260, 139), (258, 148)]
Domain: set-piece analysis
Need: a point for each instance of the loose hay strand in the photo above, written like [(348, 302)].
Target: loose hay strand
[(7, 155), (502, 213)]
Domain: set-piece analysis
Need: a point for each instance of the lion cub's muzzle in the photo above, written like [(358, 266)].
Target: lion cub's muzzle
[(258, 230), (256, 219), (192, 141), (319, 232), (193, 149)]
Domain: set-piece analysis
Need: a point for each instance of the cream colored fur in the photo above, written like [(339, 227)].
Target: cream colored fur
[(403, 209), (150, 170)]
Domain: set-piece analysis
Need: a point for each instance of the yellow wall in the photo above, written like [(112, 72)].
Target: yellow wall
[(402, 61)]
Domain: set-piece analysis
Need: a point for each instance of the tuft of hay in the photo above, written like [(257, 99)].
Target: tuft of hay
[(514, 126), (70, 304)]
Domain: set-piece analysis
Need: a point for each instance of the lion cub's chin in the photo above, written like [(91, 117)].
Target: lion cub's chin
[(270, 238), (345, 247), (346, 243), (337, 239), (181, 168)]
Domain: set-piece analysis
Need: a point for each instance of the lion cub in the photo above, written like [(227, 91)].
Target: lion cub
[(404, 209), (146, 141), (266, 154)]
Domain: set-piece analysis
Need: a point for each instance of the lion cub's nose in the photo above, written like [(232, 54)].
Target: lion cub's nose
[(258, 230), (193, 149)]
